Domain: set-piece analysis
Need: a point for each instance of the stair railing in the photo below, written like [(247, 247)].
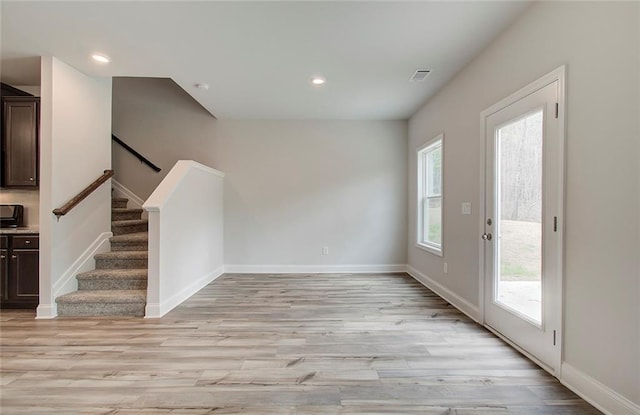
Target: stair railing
[(64, 209), (139, 156)]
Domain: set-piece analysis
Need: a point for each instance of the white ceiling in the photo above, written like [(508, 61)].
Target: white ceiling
[(258, 57)]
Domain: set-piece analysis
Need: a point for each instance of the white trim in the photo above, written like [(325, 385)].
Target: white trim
[(153, 266), (121, 190), (482, 215), (557, 75), (67, 282), (528, 355), (431, 248), (46, 311), (156, 310), (454, 299), (431, 143), (602, 397), (314, 269), (562, 174), (171, 182)]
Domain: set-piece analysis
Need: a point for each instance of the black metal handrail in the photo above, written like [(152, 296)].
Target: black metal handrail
[(139, 156)]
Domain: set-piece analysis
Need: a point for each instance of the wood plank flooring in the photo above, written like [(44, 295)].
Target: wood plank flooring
[(276, 344)]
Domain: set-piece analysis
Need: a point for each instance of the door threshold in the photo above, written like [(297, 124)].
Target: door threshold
[(546, 367)]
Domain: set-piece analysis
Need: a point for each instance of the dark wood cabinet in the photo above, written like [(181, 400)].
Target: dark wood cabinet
[(19, 283), (20, 150), (4, 267)]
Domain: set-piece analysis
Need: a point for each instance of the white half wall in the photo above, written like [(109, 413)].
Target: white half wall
[(75, 150), (185, 235), (599, 44), (295, 187)]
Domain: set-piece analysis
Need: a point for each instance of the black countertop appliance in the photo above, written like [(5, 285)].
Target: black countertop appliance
[(11, 216)]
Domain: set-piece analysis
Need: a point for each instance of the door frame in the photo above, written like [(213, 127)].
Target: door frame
[(557, 75)]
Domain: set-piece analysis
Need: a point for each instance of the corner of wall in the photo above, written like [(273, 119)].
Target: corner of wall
[(472, 311)]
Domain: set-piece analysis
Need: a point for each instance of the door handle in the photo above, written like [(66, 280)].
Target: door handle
[(487, 236)]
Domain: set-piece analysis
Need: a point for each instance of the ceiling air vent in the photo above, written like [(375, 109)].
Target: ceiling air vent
[(420, 75)]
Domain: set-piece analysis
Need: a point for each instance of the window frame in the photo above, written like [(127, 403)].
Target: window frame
[(422, 194)]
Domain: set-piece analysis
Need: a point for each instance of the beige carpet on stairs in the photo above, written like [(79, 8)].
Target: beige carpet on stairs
[(118, 285)]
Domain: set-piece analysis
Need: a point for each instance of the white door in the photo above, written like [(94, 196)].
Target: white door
[(522, 213)]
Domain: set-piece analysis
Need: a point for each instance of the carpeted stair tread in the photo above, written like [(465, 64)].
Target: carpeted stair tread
[(120, 210), (104, 296), (117, 287), (130, 259), (114, 274), (129, 222), (121, 227), (113, 279), (119, 202), (137, 237), (136, 241), (118, 214), (122, 255)]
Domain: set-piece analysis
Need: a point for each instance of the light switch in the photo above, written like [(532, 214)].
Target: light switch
[(466, 208)]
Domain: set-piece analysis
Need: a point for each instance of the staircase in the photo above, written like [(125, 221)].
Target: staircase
[(118, 285)]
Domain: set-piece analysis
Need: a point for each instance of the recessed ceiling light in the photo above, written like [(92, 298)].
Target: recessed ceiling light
[(100, 58), (318, 80)]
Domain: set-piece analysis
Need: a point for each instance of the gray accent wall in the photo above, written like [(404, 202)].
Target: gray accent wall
[(161, 121)]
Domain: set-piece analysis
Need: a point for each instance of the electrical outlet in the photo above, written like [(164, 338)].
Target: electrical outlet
[(446, 268), (325, 250)]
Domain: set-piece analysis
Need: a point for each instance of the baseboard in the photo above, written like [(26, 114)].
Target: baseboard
[(135, 202), (67, 282), (314, 269), (46, 311), (602, 397), (458, 302), (157, 310)]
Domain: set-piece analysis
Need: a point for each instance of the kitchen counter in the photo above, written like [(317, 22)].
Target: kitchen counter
[(18, 231)]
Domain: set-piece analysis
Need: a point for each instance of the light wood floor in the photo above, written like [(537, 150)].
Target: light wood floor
[(277, 344)]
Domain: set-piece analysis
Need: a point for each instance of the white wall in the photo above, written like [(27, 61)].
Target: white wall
[(599, 43), (293, 187), (75, 150), (185, 235), (162, 122)]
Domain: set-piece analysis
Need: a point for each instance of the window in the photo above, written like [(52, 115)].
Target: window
[(430, 196)]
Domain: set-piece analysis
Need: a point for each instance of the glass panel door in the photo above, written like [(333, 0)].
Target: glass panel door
[(521, 246), (519, 213)]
